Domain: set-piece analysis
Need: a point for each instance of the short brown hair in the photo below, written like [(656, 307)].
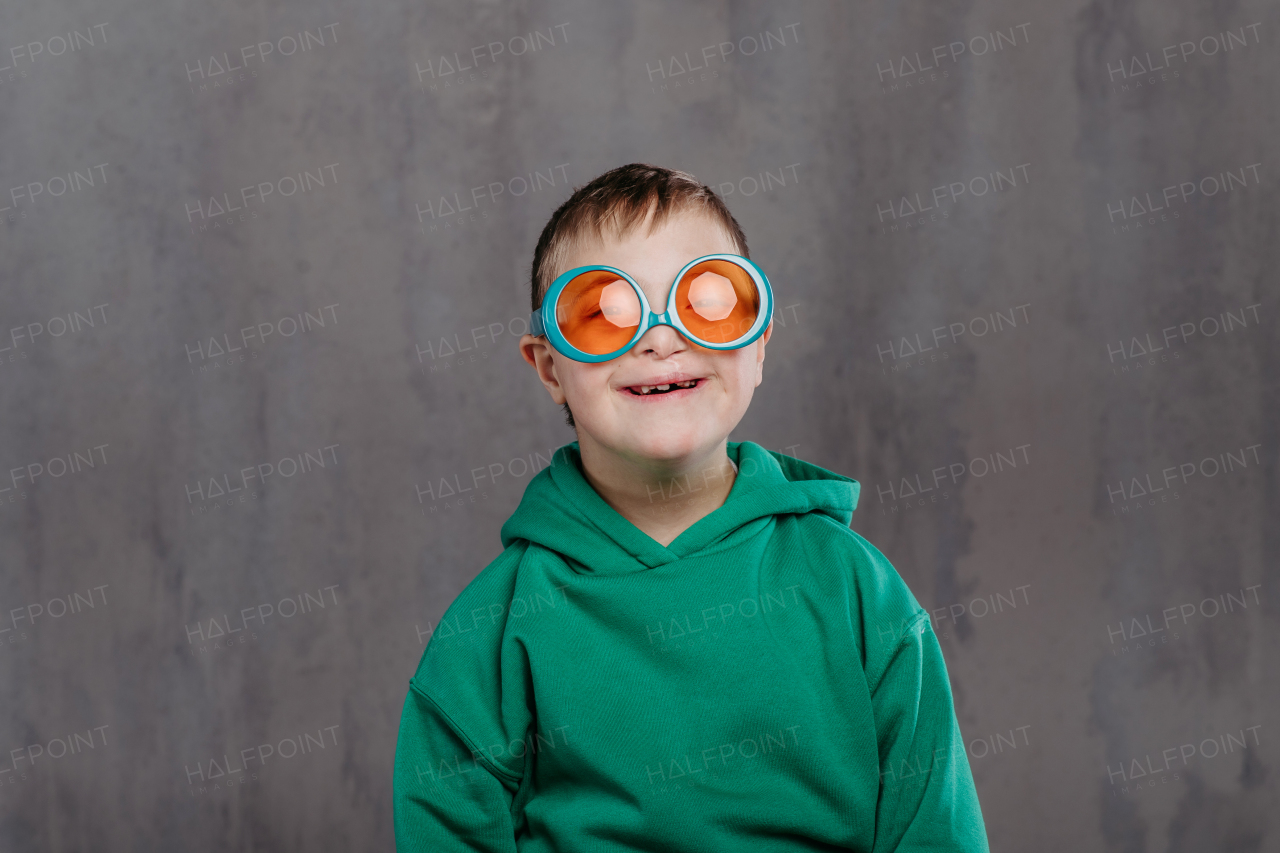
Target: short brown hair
[(618, 201)]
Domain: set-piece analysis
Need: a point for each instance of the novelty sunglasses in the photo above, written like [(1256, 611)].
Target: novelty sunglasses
[(596, 313)]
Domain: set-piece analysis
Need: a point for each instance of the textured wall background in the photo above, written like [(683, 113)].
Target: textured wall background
[(1025, 262)]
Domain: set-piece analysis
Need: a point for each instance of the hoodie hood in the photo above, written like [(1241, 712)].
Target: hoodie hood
[(562, 511)]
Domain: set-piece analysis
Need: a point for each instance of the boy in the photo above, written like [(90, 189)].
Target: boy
[(683, 646)]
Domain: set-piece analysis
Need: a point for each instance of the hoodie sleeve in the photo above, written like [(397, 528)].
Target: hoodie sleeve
[(447, 794), (459, 760), (927, 796)]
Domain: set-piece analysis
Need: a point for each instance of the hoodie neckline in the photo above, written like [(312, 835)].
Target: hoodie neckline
[(767, 483)]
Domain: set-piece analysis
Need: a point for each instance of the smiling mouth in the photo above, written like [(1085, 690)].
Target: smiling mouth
[(659, 390)]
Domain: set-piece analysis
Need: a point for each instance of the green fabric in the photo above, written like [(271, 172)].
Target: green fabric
[(766, 682)]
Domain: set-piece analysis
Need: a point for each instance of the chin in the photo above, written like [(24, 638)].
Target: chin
[(671, 445)]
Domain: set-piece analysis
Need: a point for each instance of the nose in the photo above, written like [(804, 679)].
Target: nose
[(663, 341)]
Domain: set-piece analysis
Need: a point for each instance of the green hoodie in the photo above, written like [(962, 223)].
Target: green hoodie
[(766, 682)]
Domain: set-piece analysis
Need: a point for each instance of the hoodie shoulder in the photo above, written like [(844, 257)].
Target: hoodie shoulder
[(469, 631), (470, 672), (876, 576), (882, 608)]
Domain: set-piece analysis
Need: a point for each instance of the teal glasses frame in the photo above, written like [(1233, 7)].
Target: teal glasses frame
[(544, 322)]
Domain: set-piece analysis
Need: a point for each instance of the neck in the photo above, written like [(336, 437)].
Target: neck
[(662, 497)]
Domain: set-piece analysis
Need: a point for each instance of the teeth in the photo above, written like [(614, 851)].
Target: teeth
[(649, 389)]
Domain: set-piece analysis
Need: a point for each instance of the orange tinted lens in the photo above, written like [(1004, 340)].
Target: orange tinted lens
[(598, 312), (718, 301)]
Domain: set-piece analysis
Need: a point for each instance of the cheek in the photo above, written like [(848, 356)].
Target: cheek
[(583, 382), (739, 375)]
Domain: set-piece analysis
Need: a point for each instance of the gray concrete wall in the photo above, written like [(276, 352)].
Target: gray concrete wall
[(1034, 285)]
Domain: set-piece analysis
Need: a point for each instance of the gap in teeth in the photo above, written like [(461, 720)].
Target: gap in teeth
[(649, 389)]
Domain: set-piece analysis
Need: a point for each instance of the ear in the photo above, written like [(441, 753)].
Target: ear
[(537, 351)]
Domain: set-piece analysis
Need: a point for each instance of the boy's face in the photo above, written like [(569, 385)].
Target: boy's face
[(606, 408)]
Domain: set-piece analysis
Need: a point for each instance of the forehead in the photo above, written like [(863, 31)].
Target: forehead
[(685, 234)]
